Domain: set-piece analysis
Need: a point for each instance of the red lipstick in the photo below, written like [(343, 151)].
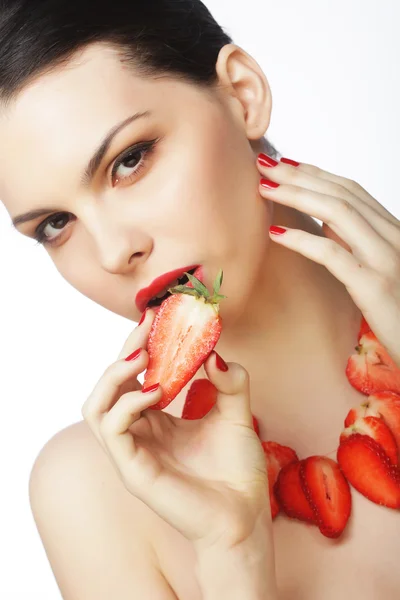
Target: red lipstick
[(146, 294)]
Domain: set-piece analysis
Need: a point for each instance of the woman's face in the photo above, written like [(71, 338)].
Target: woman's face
[(191, 199)]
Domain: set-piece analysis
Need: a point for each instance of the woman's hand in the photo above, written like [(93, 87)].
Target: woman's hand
[(207, 478), (362, 244)]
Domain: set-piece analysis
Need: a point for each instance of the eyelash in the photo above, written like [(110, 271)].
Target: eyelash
[(144, 148)]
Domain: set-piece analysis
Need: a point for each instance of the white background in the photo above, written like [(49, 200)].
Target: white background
[(333, 70)]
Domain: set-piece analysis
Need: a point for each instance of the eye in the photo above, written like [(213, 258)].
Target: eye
[(126, 167), (58, 222), (130, 163)]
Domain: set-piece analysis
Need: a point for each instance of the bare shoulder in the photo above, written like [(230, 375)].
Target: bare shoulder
[(96, 535)]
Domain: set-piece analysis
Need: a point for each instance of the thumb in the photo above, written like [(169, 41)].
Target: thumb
[(233, 389)]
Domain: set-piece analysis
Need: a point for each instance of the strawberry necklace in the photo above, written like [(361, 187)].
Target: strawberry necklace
[(316, 489)]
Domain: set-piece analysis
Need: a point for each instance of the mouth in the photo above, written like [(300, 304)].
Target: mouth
[(164, 294), (157, 292)]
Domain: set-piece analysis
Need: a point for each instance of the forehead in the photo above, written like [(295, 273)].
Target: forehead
[(56, 122)]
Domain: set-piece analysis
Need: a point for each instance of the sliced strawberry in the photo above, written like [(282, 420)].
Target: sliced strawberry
[(201, 397), (364, 328), (377, 429), (387, 406), (256, 427), (354, 414), (369, 470), (277, 457), (372, 370), (328, 494), (290, 494), (185, 330)]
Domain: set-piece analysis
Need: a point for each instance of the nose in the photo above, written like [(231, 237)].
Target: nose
[(120, 247)]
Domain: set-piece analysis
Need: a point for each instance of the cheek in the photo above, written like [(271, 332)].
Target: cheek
[(81, 278), (88, 277), (234, 219), (228, 210), (102, 288)]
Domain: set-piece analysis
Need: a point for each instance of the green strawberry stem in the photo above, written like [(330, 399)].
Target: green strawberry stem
[(199, 290)]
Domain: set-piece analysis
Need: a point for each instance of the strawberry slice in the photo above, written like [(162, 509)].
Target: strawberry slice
[(372, 370), (354, 414), (369, 470), (328, 494), (290, 495), (387, 406), (377, 429), (255, 425), (364, 328), (185, 331), (277, 457), (201, 397)]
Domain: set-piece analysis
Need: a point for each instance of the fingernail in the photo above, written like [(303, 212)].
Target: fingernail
[(143, 317), (134, 355), (152, 388), (277, 230), (267, 161), (221, 364), (269, 184), (288, 161)]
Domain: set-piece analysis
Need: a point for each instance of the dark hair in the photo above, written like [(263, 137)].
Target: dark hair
[(155, 37)]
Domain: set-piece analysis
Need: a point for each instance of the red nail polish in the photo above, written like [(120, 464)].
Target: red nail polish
[(288, 161), (269, 184), (143, 317), (152, 388), (134, 355), (221, 364), (267, 161), (277, 230)]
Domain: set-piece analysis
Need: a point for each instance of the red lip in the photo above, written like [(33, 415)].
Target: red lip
[(145, 294)]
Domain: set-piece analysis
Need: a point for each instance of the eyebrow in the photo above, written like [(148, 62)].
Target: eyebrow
[(32, 215), (101, 151), (90, 170)]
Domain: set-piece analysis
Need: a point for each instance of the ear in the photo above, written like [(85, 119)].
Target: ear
[(246, 89)]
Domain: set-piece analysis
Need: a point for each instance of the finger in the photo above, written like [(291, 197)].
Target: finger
[(342, 218), (333, 236), (139, 336), (381, 220), (108, 389), (120, 440), (388, 229), (233, 390), (352, 186), (372, 291), (358, 279)]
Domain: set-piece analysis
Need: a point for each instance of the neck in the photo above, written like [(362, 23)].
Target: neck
[(294, 339)]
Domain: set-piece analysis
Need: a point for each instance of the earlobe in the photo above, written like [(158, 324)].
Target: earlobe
[(244, 80)]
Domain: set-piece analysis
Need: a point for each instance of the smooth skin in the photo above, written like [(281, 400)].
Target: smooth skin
[(290, 321)]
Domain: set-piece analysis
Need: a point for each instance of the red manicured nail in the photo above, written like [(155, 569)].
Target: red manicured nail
[(269, 184), (152, 388), (277, 230), (134, 354), (143, 317), (288, 161), (267, 161), (221, 364)]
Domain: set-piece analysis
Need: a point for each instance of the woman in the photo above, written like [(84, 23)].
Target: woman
[(171, 170)]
